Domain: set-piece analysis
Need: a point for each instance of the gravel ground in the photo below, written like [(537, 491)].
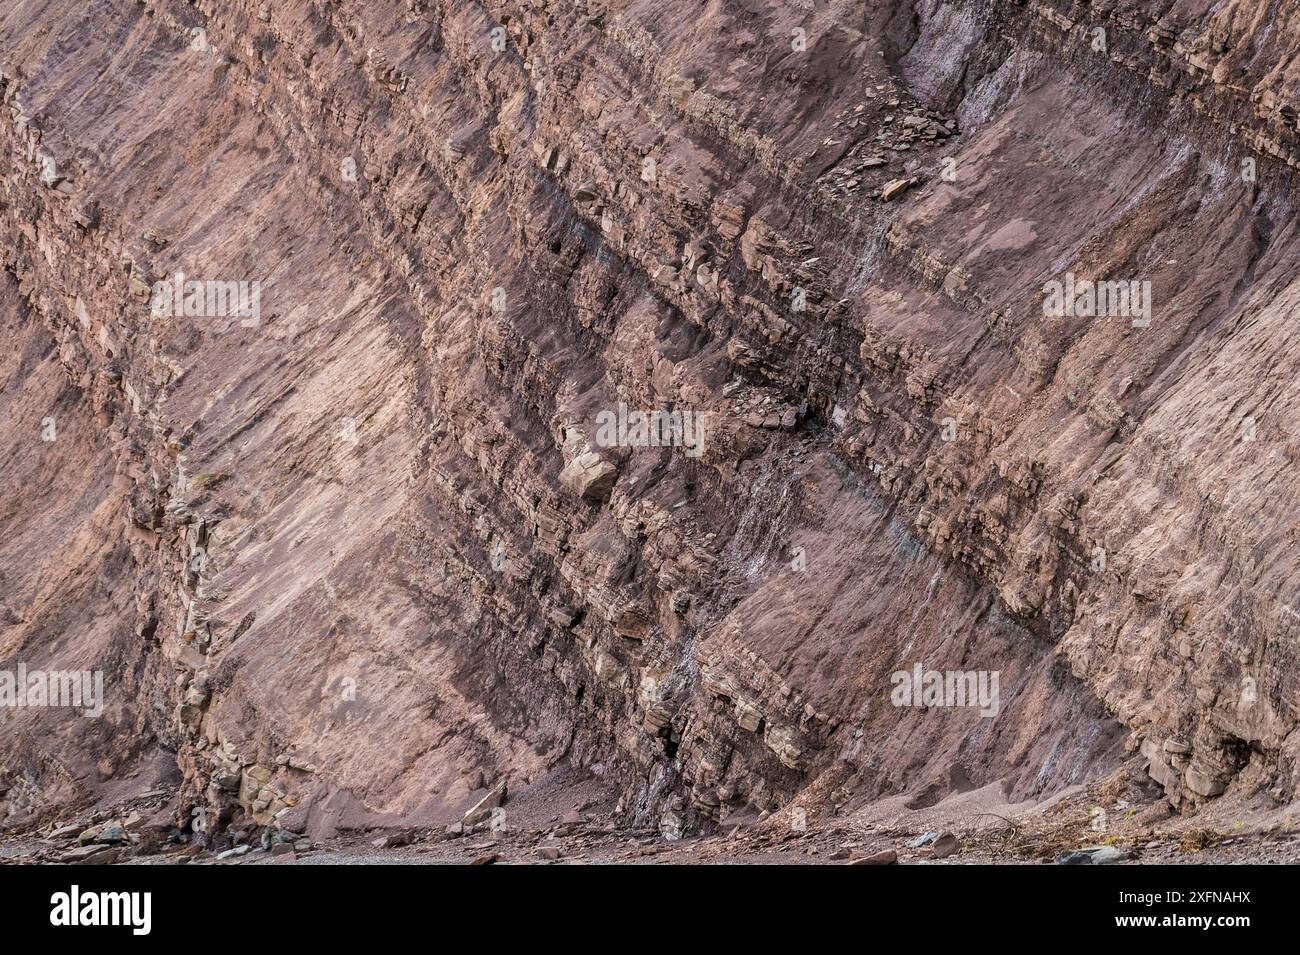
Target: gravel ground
[(571, 820)]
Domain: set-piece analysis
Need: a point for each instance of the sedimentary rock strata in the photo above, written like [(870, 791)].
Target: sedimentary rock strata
[(346, 540)]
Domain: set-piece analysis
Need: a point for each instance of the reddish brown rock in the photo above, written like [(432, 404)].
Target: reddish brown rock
[(345, 555)]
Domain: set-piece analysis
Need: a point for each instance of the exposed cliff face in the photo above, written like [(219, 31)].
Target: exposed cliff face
[(363, 551)]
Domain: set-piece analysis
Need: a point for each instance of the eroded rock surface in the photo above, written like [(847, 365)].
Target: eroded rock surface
[(361, 556)]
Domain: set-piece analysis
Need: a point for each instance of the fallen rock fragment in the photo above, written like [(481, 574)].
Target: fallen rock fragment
[(91, 854), (944, 846), (896, 187), (105, 833), (394, 840), (589, 476), (482, 810), (883, 857), (1093, 855)]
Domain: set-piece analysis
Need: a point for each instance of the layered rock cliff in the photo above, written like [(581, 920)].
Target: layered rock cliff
[(361, 553)]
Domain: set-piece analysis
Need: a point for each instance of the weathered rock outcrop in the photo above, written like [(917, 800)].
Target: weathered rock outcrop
[(360, 552)]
